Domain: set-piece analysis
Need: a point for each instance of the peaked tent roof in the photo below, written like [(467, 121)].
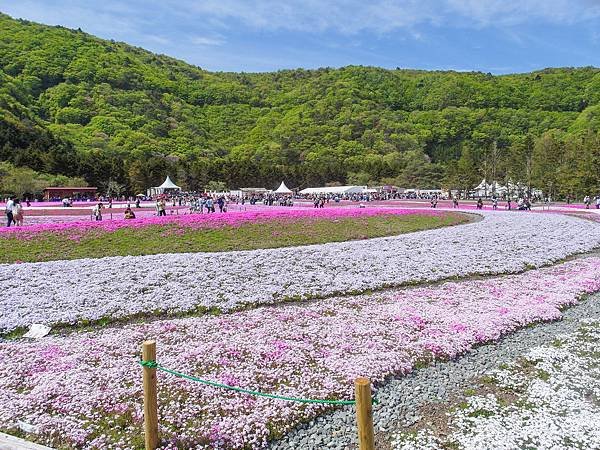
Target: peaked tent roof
[(168, 184), (283, 189)]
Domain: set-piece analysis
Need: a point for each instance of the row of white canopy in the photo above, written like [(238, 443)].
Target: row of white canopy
[(283, 189)]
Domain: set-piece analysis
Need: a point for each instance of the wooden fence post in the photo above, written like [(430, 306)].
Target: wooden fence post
[(150, 397), (364, 414)]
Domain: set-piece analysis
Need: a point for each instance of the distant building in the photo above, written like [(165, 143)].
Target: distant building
[(69, 192), (509, 190), (339, 190), (254, 191)]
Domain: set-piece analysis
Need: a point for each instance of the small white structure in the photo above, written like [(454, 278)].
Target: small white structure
[(254, 191), (339, 190), (485, 189), (511, 189), (430, 192), (167, 185), (283, 189)]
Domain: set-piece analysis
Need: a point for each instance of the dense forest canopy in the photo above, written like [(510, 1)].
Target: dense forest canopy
[(78, 106)]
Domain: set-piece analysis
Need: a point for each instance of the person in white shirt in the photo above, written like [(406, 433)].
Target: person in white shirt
[(97, 211), (9, 212)]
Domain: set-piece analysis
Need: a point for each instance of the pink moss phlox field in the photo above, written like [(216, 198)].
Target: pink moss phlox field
[(85, 388), (199, 221)]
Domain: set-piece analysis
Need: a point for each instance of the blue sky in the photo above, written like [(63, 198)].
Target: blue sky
[(498, 36)]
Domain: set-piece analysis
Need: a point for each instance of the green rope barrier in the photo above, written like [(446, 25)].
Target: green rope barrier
[(149, 364), (155, 365)]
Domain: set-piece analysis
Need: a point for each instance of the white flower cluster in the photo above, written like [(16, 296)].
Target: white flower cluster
[(83, 390), (556, 404), (117, 287)]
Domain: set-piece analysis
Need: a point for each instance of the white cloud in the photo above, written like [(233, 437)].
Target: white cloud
[(313, 16), (207, 41), (158, 39), (487, 12), (380, 16)]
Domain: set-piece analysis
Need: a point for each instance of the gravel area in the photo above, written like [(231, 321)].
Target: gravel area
[(401, 399)]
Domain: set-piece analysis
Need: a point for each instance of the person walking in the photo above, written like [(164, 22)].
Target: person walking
[(17, 211), (587, 201), (97, 211), (434, 201), (597, 201), (9, 211)]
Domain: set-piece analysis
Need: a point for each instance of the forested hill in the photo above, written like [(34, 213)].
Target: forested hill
[(77, 105)]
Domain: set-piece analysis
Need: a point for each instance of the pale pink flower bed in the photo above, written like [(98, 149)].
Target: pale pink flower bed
[(85, 388)]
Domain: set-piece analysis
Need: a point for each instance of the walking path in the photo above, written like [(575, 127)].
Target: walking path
[(8, 442)]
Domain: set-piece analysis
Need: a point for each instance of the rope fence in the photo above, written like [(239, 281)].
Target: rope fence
[(363, 399), (155, 365)]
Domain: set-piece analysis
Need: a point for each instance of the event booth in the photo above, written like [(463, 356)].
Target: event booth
[(333, 190), (283, 189), (168, 187)]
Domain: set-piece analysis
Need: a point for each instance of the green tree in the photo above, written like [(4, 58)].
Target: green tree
[(216, 186)]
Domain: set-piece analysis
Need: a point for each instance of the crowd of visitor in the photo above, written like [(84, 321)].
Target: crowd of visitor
[(209, 203), (588, 201)]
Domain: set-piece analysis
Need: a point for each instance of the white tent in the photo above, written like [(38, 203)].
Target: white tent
[(513, 189), (283, 189), (167, 184), (334, 190)]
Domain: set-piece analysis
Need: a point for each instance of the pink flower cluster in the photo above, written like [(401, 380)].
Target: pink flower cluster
[(198, 221), (74, 388)]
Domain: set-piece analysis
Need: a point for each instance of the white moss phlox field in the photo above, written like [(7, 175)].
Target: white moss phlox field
[(85, 388), (117, 287)]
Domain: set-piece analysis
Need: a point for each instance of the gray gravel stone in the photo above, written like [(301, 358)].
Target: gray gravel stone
[(400, 399)]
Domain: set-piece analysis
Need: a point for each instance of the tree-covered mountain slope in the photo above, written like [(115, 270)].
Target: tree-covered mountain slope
[(77, 105)]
